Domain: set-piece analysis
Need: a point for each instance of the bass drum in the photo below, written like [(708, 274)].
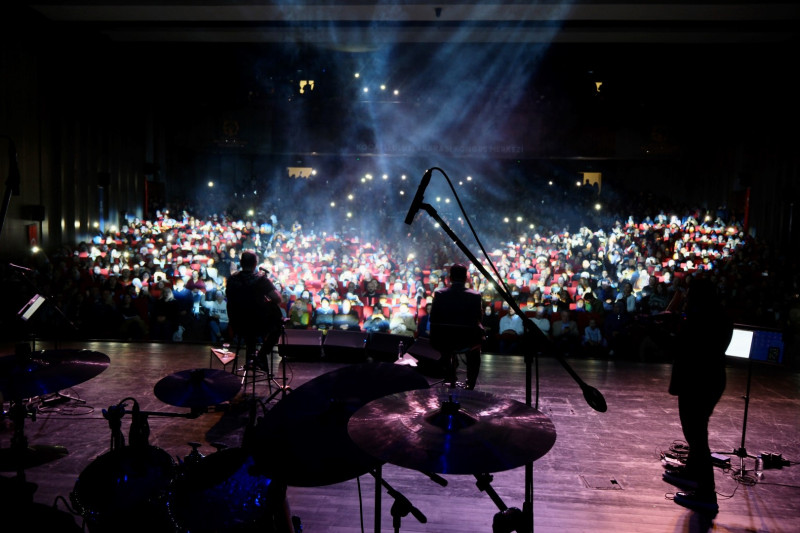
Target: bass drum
[(125, 490), (220, 494)]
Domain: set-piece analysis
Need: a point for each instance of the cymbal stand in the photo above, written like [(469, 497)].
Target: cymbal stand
[(509, 518), (401, 506), (16, 491), (18, 412)]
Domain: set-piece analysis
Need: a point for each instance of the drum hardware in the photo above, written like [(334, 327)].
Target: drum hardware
[(221, 492), (506, 520), (452, 431), (193, 457), (125, 489), (20, 456), (317, 412), (197, 388), (457, 432), (29, 374), (139, 431), (401, 506)]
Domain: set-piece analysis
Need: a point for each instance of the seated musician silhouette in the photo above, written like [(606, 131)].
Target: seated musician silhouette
[(455, 326), (254, 309)]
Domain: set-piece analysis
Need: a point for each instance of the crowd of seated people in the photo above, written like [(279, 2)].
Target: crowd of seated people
[(164, 280)]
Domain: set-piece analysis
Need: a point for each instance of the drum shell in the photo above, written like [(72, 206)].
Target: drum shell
[(220, 493), (125, 490)]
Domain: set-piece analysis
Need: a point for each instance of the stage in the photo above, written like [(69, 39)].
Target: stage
[(602, 474)]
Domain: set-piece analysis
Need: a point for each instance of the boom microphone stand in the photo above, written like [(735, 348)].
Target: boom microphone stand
[(593, 397)]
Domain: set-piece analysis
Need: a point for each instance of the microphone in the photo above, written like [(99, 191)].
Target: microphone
[(415, 205), (139, 432), (263, 269)]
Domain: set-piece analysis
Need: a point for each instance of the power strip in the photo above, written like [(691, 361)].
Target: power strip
[(773, 460), (719, 459)]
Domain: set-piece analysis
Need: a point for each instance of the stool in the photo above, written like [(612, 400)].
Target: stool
[(250, 373)]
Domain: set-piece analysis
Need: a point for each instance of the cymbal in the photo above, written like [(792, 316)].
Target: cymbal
[(303, 439), (199, 387), (452, 431), (12, 459), (47, 371)]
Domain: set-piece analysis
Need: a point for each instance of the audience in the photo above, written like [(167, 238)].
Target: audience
[(402, 322), (165, 278), (565, 333), (323, 314), (218, 317), (593, 340), (511, 330), (347, 318), (375, 321)]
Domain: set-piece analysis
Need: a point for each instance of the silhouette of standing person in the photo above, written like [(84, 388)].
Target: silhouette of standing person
[(698, 380)]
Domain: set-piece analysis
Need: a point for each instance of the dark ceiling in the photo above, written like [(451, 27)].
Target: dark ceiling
[(358, 24), (672, 69)]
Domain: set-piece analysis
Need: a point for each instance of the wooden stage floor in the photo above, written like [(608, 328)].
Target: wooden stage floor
[(603, 474)]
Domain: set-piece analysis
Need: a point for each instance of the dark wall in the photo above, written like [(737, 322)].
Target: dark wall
[(79, 122)]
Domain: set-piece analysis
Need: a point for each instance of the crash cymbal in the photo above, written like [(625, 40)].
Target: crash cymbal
[(199, 387), (12, 459), (452, 431), (303, 439), (43, 372)]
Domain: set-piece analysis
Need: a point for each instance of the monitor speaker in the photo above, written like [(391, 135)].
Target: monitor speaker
[(301, 344), (345, 346), (386, 346)]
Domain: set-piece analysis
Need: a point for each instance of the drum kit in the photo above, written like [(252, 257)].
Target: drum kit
[(366, 415)]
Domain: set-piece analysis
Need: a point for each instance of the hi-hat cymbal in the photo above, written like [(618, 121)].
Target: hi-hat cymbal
[(452, 431), (48, 371), (303, 439), (199, 387)]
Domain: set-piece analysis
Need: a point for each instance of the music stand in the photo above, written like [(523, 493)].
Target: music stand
[(27, 312), (752, 343)]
